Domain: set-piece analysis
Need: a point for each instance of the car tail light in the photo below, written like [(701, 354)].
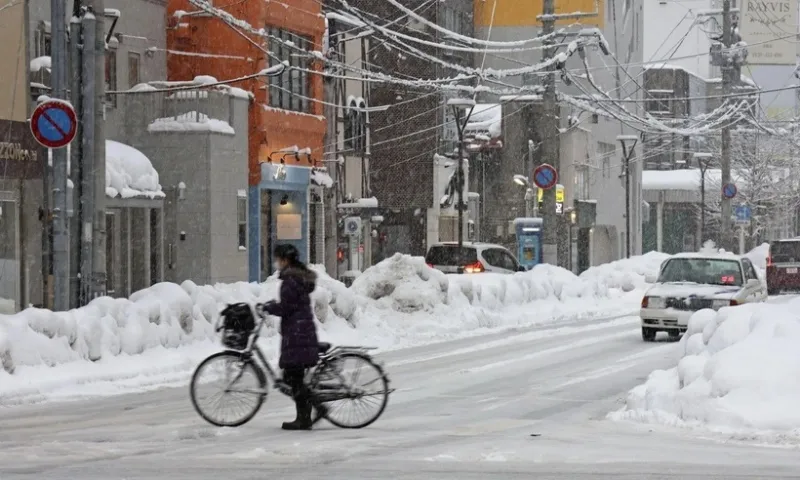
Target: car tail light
[(769, 260), (429, 264), (734, 303), (644, 302), (476, 267)]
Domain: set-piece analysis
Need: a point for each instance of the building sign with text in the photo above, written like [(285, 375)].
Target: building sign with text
[(769, 28), (20, 155)]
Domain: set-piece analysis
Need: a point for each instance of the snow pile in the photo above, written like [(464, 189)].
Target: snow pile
[(403, 283), (129, 173), (627, 274), (168, 328), (740, 371), (190, 122), (39, 63)]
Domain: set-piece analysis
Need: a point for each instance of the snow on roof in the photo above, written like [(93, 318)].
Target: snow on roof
[(129, 173), (486, 117), (40, 63), (190, 122), (370, 202), (669, 66), (688, 179)]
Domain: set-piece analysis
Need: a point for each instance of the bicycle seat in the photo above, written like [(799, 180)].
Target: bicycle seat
[(324, 347)]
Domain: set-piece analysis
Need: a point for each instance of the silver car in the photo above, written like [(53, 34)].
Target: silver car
[(471, 257)]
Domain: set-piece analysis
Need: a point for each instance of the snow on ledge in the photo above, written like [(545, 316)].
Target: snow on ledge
[(320, 177), (191, 122), (688, 179), (39, 63), (129, 173)]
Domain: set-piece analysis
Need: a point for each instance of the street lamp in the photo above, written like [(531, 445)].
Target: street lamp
[(703, 160), (521, 180), (459, 106)]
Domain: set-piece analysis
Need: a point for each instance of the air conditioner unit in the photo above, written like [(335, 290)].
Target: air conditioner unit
[(352, 226)]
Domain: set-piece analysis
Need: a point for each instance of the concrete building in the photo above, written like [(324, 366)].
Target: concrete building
[(198, 140), (348, 149), (21, 161), (591, 167), (286, 124)]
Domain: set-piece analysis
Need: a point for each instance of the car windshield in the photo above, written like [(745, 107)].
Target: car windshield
[(451, 255), (785, 252), (702, 270)]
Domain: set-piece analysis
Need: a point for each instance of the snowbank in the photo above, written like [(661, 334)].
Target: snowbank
[(398, 302), (129, 173), (739, 372)]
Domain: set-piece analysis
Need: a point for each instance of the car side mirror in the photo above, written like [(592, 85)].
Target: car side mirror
[(650, 278), (753, 283), (522, 268)]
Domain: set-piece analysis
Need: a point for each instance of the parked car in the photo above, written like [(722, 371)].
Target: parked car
[(689, 282), (783, 266), (471, 257)]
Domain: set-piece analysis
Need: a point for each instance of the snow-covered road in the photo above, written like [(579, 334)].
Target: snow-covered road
[(525, 404)]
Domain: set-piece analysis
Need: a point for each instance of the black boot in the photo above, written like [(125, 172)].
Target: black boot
[(303, 419)]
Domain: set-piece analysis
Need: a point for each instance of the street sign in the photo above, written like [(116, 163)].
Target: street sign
[(729, 190), (742, 214), (545, 176), (54, 123)]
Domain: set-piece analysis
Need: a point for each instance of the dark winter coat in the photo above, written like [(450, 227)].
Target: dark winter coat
[(299, 344)]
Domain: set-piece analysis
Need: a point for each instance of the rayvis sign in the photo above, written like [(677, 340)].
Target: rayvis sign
[(769, 28)]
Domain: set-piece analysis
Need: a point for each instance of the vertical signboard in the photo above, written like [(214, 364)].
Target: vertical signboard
[(769, 28)]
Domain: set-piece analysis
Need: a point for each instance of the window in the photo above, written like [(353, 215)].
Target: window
[(42, 43), (241, 218), (659, 102), (111, 76), (290, 90), (134, 77), (749, 271), (355, 128)]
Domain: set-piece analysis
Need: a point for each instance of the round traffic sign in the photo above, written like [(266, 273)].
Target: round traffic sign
[(545, 176), (729, 190), (54, 123)]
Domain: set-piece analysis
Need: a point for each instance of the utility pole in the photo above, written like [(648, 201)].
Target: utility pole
[(457, 105), (550, 123), (703, 160), (627, 154), (99, 171), (76, 148), (87, 165), (728, 67), (60, 227)]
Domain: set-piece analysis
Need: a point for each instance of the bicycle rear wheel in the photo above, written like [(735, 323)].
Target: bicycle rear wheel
[(239, 383), (350, 402)]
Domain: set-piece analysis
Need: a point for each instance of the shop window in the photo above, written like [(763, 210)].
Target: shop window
[(290, 91)]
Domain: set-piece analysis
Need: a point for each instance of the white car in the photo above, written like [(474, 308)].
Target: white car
[(689, 282), (472, 257)]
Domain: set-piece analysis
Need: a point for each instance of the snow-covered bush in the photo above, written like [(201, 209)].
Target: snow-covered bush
[(403, 283), (739, 371)]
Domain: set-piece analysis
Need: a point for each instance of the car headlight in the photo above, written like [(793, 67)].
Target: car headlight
[(717, 304), (656, 302)]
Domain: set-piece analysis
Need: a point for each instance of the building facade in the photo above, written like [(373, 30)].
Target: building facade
[(592, 167), (286, 124), (22, 165)]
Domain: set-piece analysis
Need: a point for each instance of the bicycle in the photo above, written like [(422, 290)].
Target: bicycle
[(325, 381)]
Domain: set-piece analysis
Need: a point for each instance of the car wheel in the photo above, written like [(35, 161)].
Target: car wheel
[(648, 334)]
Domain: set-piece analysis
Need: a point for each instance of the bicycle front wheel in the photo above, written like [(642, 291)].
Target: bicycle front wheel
[(352, 388), (228, 383)]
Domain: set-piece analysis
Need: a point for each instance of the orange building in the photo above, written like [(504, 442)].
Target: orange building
[(286, 112)]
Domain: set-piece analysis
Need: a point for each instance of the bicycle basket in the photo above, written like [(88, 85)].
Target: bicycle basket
[(238, 323)]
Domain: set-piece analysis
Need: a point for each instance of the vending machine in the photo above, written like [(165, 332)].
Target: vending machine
[(529, 241)]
